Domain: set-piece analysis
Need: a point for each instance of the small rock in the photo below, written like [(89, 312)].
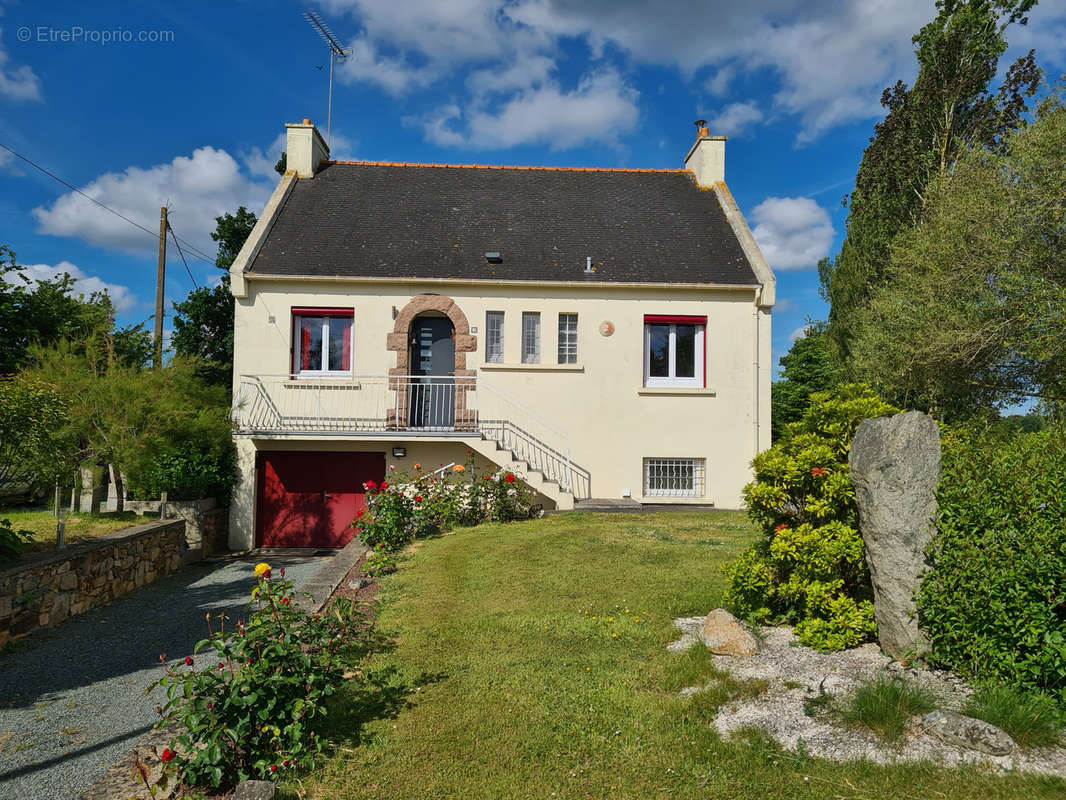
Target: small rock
[(723, 635), (967, 732), (254, 790), (359, 583)]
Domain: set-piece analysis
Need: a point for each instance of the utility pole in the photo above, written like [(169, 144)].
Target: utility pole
[(160, 274)]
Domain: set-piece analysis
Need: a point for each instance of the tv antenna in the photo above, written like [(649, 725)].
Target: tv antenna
[(336, 53)]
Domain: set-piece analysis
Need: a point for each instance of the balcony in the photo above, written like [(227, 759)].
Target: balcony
[(407, 406)]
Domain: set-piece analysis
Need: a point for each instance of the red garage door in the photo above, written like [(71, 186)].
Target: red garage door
[(310, 499)]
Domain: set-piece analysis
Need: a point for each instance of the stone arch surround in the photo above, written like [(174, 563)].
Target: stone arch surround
[(399, 342)]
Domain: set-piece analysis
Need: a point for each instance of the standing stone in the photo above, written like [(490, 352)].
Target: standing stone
[(254, 790), (723, 635), (895, 466)]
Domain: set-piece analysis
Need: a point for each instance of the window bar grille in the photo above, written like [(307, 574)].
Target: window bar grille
[(674, 477)]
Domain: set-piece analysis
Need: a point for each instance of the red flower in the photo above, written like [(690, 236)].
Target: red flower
[(188, 661), (273, 767), (167, 755), (384, 485), (283, 572), (509, 477), (266, 574), (780, 527), (359, 513), (370, 485), (418, 499), (818, 471), (488, 477), (219, 665), (285, 601)]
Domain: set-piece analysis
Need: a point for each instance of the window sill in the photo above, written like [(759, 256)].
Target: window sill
[(533, 367), (698, 391)]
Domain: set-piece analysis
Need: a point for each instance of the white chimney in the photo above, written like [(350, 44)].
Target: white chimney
[(706, 159), (305, 149)]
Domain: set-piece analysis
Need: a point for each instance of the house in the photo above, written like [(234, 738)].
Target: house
[(603, 333)]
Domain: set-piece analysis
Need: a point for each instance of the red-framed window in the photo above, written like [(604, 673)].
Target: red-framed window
[(675, 350), (322, 341)]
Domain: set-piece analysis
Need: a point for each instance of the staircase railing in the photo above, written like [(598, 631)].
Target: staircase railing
[(411, 405)]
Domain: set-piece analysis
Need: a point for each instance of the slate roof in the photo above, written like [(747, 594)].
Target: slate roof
[(370, 219)]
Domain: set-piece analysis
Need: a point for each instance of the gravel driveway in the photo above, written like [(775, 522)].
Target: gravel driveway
[(72, 698)]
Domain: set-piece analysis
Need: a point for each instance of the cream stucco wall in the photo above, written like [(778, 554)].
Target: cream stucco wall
[(612, 421)]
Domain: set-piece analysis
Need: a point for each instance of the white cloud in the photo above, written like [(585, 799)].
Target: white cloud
[(735, 119), (196, 188), (17, 83), (798, 333), (793, 232), (599, 109), (121, 296)]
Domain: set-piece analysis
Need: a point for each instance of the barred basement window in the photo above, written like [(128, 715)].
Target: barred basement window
[(568, 338), (494, 337), (674, 477), (530, 337)]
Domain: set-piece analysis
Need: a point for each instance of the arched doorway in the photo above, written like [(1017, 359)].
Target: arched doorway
[(431, 358), (412, 323)]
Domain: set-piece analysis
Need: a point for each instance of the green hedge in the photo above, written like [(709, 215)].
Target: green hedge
[(994, 601)]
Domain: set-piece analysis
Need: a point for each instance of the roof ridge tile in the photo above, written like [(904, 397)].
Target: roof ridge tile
[(500, 166)]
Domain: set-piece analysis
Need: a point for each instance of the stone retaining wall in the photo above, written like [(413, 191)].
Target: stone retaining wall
[(46, 588)]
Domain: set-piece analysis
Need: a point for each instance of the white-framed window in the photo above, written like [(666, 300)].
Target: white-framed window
[(494, 337), (322, 341), (530, 337), (568, 338), (674, 477), (674, 350)]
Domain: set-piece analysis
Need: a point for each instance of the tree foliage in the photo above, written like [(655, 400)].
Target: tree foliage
[(807, 367), (48, 311), (34, 446), (120, 415), (974, 314), (948, 109), (203, 324)]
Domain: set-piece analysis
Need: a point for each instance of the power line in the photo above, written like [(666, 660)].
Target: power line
[(183, 261), (192, 248)]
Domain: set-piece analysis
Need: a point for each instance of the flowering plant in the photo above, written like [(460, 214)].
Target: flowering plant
[(249, 712)]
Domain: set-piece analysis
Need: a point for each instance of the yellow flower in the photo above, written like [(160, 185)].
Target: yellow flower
[(262, 567), (458, 468)]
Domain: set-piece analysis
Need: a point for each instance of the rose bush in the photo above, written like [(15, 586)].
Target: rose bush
[(252, 712)]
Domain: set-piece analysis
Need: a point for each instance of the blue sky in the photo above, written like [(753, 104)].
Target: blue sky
[(191, 116)]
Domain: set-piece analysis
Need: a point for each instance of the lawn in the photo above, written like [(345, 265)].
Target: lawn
[(42, 524), (527, 661)]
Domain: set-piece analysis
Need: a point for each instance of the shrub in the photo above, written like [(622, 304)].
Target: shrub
[(12, 541), (1033, 719), (378, 564), (189, 472), (994, 601), (251, 714), (808, 568), (387, 521), (885, 706)]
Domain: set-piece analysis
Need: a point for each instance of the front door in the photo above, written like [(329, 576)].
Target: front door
[(310, 499), (432, 359)]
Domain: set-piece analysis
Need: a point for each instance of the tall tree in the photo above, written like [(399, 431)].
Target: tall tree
[(203, 324), (949, 108), (807, 367), (974, 314)]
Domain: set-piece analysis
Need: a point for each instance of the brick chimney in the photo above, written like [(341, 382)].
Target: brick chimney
[(706, 159), (305, 149)]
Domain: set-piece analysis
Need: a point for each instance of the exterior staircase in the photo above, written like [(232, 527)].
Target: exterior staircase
[(534, 477)]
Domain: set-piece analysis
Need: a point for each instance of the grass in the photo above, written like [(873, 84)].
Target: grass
[(528, 661), (885, 706), (1032, 719), (42, 524)]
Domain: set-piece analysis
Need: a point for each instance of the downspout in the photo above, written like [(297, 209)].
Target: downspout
[(755, 383)]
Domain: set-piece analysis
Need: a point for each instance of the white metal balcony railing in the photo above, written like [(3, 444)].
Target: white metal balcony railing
[(409, 405)]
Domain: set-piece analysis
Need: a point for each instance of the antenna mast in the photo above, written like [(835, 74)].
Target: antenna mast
[(336, 52)]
